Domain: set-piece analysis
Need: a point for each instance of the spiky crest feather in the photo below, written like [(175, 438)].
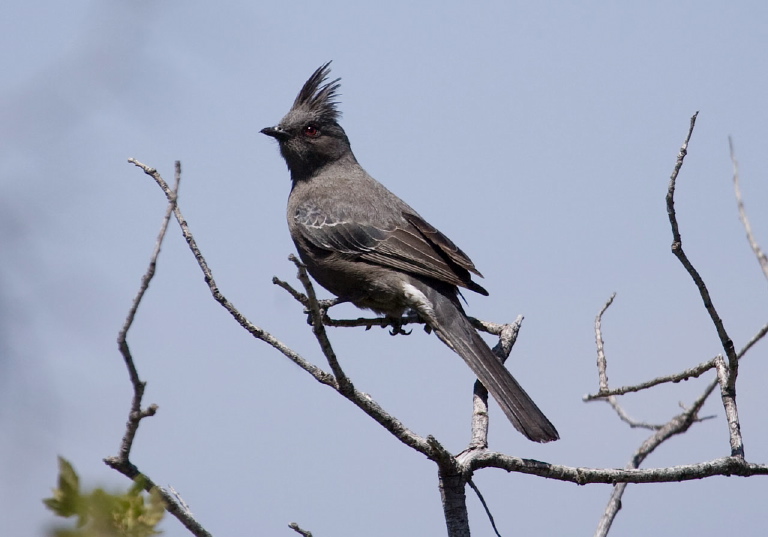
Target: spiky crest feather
[(317, 98)]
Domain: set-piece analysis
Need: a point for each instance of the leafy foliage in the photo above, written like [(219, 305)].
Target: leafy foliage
[(103, 514)]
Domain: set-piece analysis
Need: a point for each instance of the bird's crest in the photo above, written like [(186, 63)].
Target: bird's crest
[(318, 96)]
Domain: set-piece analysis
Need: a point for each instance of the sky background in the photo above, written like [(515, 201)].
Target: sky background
[(539, 136)]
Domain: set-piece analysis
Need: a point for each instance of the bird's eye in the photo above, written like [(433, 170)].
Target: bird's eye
[(311, 130)]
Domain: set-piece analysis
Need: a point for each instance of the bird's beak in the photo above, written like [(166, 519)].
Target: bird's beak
[(276, 133)]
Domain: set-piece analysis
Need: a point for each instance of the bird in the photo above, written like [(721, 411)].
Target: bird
[(365, 245)]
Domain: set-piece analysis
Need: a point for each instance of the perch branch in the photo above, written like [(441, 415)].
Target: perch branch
[(363, 401)]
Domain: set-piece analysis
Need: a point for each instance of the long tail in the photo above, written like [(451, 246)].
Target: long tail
[(451, 325)]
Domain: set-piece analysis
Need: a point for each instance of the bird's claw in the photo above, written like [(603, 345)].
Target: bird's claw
[(397, 328)]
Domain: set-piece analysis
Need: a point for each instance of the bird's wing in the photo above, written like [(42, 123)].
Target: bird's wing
[(410, 244), (446, 245)]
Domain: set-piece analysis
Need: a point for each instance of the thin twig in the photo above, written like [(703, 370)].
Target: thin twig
[(761, 257), (485, 506), (602, 371), (137, 414), (298, 296), (295, 527), (318, 328), (693, 372), (757, 337), (602, 365), (728, 392), (122, 462), (688, 373)]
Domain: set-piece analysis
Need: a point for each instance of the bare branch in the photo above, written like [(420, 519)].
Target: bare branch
[(727, 466), (682, 422), (456, 471), (363, 401), (761, 257), (724, 374), (382, 322), (295, 527), (677, 425), (757, 337), (178, 510), (692, 372), (602, 365), (257, 332), (137, 414), (611, 510), (298, 296), (343, 383), (602, 372), (122, 462), (684, 375), (729, 391), (453, 497)]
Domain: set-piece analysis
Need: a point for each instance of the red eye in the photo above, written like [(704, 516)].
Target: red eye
[(311, 130)]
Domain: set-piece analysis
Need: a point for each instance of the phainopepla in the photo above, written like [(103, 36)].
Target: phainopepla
[(366, 245)]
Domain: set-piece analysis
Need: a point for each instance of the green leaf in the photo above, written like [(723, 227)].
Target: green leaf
[(132, 513), (66, 501)]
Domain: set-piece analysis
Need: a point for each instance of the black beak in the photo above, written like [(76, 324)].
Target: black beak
[(276, 133)]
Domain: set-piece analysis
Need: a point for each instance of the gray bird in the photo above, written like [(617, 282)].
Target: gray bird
[(367, 246)]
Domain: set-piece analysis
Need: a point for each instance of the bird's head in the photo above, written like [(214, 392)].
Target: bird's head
[(309, 135)]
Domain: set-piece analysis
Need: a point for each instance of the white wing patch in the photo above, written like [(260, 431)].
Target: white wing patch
[(419, 302)]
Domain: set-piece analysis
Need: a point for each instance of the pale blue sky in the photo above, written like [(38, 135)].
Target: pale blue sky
[(551, 129)]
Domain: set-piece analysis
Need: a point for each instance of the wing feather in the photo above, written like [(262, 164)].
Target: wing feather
[(411, 245)]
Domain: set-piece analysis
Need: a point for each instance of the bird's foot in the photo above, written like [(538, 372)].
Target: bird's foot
[(397, 327)]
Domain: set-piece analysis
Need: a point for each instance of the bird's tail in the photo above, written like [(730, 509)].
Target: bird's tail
[(454, 329)]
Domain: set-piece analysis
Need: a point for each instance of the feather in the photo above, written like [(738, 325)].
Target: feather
[(317, 98)]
